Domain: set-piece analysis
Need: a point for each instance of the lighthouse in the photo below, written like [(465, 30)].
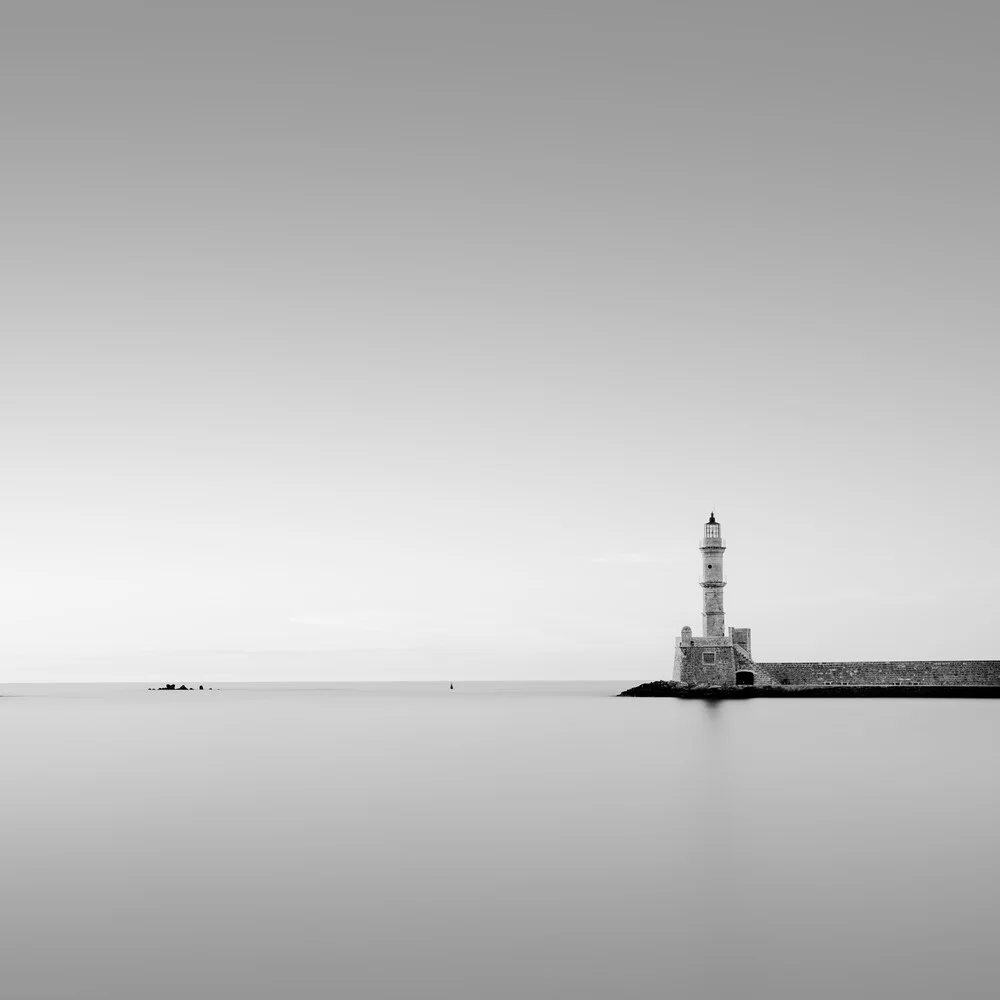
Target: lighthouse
[(719, 657), (713, 581)]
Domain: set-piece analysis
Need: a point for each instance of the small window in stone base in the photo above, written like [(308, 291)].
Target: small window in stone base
[(708, 658)]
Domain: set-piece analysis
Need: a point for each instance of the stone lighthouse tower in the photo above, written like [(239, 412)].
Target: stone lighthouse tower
[(717, 657), (712, 580)]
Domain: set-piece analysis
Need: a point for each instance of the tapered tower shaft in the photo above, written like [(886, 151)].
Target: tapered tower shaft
[(712, 579)]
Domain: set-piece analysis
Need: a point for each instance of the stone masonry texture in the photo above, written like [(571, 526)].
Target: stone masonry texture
[(883, 673)]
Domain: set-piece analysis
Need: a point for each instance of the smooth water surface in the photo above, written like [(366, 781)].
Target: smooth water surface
[(494, 841)]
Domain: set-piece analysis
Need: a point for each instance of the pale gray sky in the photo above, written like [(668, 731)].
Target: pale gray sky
[(429, 333)]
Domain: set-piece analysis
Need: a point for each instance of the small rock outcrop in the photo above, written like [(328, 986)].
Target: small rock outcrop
[(655, 689)]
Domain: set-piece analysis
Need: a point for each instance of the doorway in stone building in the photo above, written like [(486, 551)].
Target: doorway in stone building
[(744, 678)]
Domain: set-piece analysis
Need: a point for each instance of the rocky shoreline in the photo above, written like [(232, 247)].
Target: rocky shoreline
[(713, 692)]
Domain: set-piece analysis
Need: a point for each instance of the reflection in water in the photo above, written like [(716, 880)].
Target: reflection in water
[(549, 843)]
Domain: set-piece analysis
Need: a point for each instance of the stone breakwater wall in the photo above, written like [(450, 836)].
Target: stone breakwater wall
[(883, 673)]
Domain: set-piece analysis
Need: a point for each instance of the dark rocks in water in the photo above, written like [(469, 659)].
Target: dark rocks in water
[(682, 689), (654, 689), (180, 687)]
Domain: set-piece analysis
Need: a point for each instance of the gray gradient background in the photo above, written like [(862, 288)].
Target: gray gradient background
[(427, 334)]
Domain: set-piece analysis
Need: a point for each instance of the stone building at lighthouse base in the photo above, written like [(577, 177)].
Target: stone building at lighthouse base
[(724, 660)]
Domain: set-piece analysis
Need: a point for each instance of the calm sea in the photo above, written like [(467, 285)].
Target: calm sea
[(514, 841)]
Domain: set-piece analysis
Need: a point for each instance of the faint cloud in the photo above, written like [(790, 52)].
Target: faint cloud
[(628, 559), (373, 630), (322, 622), (341, 622), (886, 597)]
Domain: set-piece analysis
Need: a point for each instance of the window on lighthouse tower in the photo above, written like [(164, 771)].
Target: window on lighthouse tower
[(711, 530)]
